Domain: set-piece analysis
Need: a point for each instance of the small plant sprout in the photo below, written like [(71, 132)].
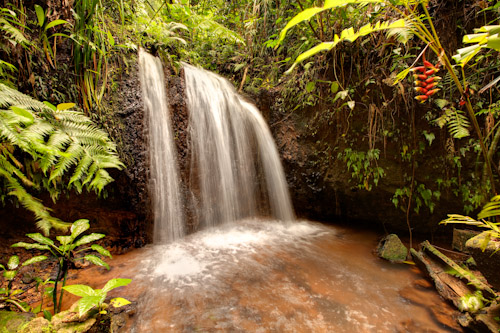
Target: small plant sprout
[(8, 295), (70, 250), (94, 298)]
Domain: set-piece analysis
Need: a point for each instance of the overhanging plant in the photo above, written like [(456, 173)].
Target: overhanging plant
[(51, 148)]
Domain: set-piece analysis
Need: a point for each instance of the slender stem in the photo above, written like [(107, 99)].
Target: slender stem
[(17, 305), (62, 291), (54, 293)]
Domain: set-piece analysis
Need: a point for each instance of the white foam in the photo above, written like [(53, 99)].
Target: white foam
[(197, 259)]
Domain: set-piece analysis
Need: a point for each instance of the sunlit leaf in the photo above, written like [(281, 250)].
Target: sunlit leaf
[(55, 23), (34, 260), (80, 290), (40, 15), (13, 262), (115, 283), (96, 260), (78, 227), (101, 250), (119, 302), (87, 303), (65, 106), (89, 239)]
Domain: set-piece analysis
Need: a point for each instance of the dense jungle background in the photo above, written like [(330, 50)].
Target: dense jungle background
[(385, 114), (356, 145)]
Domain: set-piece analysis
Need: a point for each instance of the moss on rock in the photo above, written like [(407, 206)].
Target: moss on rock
[(391, 248)]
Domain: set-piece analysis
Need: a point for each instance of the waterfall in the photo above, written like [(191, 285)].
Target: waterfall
[(167, 207), (235, 166)]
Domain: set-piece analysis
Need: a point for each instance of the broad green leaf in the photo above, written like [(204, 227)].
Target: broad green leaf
[(13, 262), (475, 38), (34, 260), (347, 34), (310, 12), (2, 266), (64, 240), (491, 29), (494, 43), (65, 106), (115, 283), (96, 260), (9, 275), (23, 113), (88, 302), (302, 16), (80, 290), (55, 23), (50, 105), (89, 239), (325, 46), (78, 227), (465, 54), (37, 237), (30, 246), (40, 15), (119, 302), (101, 250)]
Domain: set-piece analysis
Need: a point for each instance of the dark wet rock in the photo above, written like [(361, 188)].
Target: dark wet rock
[(487, 261), (11, 322), (391, 248), (460, 237)]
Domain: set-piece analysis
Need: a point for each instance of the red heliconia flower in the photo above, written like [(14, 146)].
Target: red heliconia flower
[(421, 98)]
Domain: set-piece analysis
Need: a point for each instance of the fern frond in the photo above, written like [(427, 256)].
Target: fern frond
[(457, 122), (458, 125), (63, 143), (15, 35), (403, 34)]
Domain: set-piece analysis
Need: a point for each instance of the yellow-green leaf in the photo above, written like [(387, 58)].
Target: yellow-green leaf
[(119, 302), (65, 106)]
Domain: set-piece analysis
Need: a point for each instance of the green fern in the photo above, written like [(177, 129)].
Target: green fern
[(457, 122), (64, 146)]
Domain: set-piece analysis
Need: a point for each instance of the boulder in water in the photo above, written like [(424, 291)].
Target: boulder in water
[(391, 248)]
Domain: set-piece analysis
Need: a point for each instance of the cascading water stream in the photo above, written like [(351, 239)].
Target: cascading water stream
[(232, 150), (165, 182)]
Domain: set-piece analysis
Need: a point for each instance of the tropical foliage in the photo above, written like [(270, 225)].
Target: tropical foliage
[(71, 249), (44, 147)]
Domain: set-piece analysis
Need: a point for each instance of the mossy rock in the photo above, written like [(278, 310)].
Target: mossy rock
[(38, 325), (488, 261), (11, 322), (64, 322), (391, 248)]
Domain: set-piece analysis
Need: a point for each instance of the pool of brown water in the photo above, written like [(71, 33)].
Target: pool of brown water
[(268, 276)]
